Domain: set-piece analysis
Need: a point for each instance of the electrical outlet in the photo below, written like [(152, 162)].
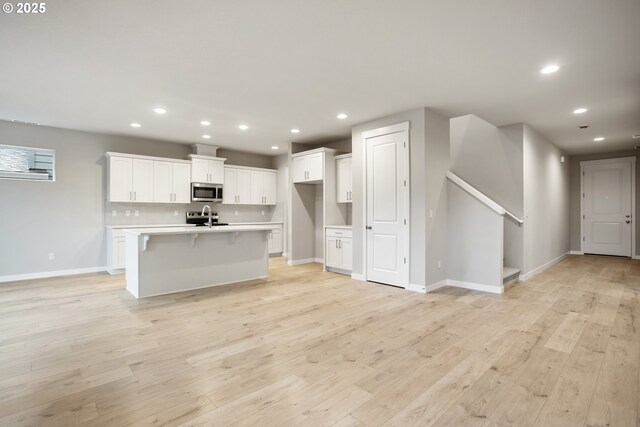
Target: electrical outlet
[(114, 213), (236, 212), (430, 213), (262, 213), (52, 256), (439, 264), (127, 213), (175, 213), (136, 212)]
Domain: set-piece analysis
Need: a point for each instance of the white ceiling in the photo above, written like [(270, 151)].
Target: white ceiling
[(279, 64)]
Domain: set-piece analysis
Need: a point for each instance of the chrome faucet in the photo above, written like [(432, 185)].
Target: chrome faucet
[(208, 208)]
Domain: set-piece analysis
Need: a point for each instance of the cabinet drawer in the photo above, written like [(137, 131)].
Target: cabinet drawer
[(339, 232)]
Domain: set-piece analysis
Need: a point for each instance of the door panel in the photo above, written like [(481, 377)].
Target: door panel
[(243, 186), (343, 171), (229, 190), (333, 252), (182, 183), (200, 170), (257, 188), (162, 182), (142, 180), (315, 167), (299, 169), (216, 171), (270, 184), (346, 253), (607, 208), (387, 172), (120, 169)]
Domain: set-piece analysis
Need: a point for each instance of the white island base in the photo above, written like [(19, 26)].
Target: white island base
[(163, 261)]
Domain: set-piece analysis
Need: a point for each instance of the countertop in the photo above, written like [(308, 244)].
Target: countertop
[(196, 230), (348, 227), (117, 227)]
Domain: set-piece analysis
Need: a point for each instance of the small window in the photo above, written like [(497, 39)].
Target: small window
[(37, 164)]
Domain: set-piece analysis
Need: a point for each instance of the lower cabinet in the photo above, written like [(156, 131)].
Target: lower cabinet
[(339, 248), (116, 253), (275, 240)]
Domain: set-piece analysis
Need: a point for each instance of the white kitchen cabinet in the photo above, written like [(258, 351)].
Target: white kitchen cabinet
[(344, 183), (237, 188), (171, 182), (208, 170), (116, 252), (263, 187), (308, 168), (130, 179), (275, 241), (339, 248)]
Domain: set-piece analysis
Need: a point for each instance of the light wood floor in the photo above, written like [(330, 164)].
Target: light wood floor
[(311, 348)]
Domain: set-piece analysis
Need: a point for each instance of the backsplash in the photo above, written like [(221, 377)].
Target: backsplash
[(152, 213)]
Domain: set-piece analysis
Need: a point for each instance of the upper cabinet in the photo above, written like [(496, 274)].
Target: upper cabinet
[(205, 169), (249, 186), (142, 179), (308, 167), (130, 179), (171, 182), (263, 187), (344, 187)]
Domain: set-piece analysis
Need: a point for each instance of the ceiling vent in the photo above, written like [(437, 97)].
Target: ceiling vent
[(204, 150)]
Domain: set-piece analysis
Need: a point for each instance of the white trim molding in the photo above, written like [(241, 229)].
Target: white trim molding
[(543, 267), (359, 277), (635, 257), (437, 285), (476, 286), (305, 261), (47, 274), (416, 288), (576, 253)]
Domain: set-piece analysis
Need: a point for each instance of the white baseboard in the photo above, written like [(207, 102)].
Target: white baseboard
[(476, 286), (437, 285), (576, 252), (304, 261), (543, 267), (360, 277), (635, 257), (285, 254), (46, 274), (416, 288)]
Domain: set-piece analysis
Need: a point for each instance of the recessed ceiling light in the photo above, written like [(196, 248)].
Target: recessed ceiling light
[(135, 125), (159, 110), (243, 127), (580, 110), (275, 147), (598, 139), (636, 136), (342, 116), (552, 68), (206, 136), (205, 123), (295, 130)]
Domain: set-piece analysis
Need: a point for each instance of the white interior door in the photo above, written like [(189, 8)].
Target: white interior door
[(607, 207), (387, 170)]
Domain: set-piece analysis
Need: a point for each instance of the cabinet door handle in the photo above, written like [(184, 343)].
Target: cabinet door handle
[(130, 195), (336, 243), (135, 197), (340, 244)]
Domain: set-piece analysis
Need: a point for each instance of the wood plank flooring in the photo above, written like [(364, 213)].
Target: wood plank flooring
[(310, 348)]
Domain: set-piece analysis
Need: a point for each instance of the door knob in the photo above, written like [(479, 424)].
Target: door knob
[(628, 216), (368, 227), (628, 222)]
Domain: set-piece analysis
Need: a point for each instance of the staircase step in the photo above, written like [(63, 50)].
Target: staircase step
[(508, 272)]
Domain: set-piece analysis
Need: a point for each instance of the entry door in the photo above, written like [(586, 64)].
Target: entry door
[(387, 170), (607, 208)]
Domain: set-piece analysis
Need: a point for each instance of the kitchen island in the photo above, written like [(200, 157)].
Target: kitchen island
[(166, 260)]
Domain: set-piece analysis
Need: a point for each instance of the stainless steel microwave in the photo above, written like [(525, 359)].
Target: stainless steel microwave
[(202, 192)]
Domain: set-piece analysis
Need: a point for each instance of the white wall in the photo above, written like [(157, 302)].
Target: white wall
[(475, 240), (490, 159), (546, 201)]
